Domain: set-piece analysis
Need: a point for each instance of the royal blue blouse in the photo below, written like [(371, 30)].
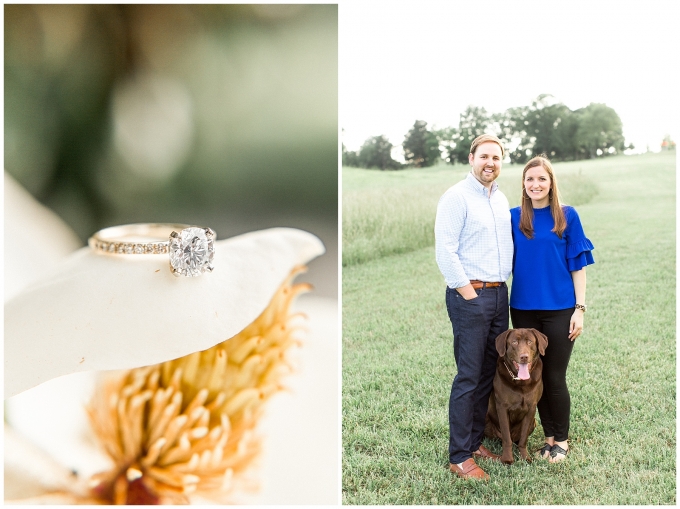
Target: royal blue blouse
[(542, 266)]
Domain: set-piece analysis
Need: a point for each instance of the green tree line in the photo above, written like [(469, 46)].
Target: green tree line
[(544, 127)]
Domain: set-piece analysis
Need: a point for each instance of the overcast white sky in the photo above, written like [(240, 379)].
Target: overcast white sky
[(429, 60)]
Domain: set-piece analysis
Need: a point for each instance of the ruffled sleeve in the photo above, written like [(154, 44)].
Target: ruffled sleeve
[(579, 247), (579, 254)]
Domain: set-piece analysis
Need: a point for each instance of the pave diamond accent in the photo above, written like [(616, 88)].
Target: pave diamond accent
[(192, 251), (130, 248)]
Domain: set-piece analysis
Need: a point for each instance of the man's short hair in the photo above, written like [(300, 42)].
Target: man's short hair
[(483, 139)]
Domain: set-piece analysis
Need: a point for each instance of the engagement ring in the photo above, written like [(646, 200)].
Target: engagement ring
[(191, 248)]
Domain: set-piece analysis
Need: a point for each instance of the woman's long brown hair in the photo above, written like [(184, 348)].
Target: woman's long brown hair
[(526, 218)]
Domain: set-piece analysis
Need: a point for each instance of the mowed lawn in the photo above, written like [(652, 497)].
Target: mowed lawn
[(398, 356)]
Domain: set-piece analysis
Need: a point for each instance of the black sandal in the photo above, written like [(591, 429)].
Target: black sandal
[(546, 448), (556, 449)]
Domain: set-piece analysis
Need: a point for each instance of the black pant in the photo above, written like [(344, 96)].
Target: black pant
[(555, 404), (476, 324)]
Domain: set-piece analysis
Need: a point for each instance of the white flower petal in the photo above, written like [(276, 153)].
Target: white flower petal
[(300, 461), (100, 312), (29, 471), (36, 239), (301, 428), (52, 416)]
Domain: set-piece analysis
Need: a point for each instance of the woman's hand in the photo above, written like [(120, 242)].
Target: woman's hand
[(576, 324)]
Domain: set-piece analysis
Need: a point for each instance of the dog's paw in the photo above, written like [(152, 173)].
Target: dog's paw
[(525, 455)]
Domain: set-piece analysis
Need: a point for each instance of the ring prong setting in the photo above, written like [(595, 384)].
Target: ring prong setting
[(192, 251)]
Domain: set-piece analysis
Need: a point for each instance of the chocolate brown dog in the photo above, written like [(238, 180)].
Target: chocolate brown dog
[(517, 387)]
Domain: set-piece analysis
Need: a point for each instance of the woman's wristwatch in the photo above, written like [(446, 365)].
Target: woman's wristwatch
[(581, 307)]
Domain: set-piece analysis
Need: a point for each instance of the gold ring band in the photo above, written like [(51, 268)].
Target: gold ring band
[(190, 248), (134, 238)]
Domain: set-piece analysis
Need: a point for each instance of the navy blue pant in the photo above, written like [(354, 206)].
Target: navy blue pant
[(554, 408), (476, 324)]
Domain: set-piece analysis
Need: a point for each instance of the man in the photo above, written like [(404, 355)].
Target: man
[(473, 240)]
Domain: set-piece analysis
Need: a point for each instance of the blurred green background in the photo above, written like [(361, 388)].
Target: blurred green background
[(216, 115)]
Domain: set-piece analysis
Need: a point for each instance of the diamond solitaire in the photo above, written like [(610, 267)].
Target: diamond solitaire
[(191, 248), (192, 251)]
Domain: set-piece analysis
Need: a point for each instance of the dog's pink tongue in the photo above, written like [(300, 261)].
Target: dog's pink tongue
[(523, 372)]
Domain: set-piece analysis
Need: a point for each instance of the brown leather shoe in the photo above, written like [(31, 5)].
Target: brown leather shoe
[(483, 452), (470, 470)]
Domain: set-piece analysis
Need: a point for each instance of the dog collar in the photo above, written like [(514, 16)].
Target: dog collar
[(511, 374)]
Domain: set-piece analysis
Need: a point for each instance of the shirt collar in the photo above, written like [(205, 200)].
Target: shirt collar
[(478, 187)]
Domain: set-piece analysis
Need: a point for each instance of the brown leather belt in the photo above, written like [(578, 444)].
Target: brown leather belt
[(481, 284)]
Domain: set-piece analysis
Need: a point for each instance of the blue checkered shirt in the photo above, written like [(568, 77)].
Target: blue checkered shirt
[(473, 235)]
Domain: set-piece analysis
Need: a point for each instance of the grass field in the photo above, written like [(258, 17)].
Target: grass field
[(398, 357)]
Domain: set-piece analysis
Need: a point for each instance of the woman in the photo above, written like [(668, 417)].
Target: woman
[(549, 290)]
